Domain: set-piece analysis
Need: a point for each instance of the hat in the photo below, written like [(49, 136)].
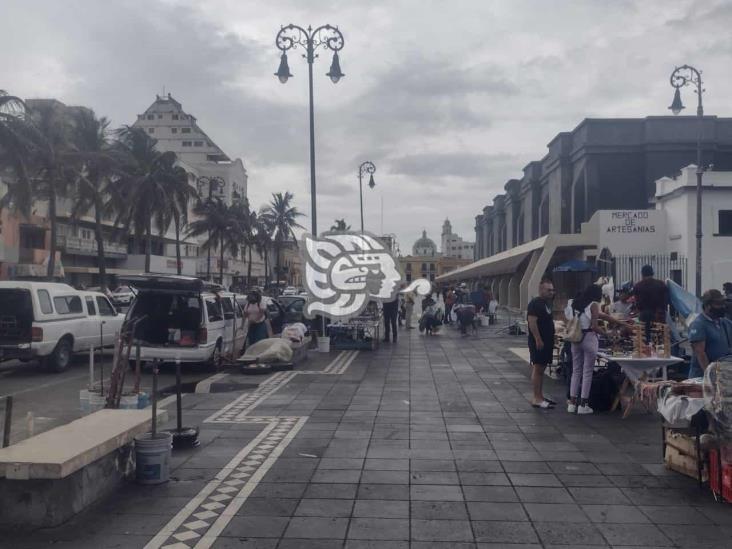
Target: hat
[(711, 296)]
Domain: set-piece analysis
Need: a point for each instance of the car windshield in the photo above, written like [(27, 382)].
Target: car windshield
[(123, 290)]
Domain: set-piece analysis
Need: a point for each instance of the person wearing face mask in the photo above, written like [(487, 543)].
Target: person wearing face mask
[(255, 313), (710, 334)]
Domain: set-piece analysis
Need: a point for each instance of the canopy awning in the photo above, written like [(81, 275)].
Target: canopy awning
[(502, 263)]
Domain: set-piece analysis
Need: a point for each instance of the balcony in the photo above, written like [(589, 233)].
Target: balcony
[(84, 246)]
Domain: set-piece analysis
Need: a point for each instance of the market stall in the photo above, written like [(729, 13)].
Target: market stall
[(361, 332)]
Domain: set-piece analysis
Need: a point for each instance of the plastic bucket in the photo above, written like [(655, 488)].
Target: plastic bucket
[(91, 401), (152, 458), (128, 402), (324, 345)]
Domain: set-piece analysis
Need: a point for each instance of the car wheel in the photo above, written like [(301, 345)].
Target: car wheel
[(60, 358), (215, 360)]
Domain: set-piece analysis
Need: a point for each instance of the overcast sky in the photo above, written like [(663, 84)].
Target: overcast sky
[(449, 99)]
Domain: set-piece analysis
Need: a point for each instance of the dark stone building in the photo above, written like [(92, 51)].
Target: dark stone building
[(601, 164)]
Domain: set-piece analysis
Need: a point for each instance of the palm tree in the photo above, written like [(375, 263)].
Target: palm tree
[(250, 239), (142, 190), (282, 217), (221, 226), (97, 168), (17, 144), (179, 195), (52, 159), (340, 226), (263, 242)]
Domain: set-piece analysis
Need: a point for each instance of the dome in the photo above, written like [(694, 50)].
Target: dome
[(424, 246)]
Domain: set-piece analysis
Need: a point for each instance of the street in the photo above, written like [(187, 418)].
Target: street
[(53, 398)]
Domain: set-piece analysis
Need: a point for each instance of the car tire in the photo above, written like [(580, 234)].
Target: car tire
[(60, 359), (215, 360)]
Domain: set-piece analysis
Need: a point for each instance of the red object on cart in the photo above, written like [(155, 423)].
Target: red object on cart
[(723, 476)]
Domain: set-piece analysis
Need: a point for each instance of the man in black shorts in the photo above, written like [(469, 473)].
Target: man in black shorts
[(541, 340)]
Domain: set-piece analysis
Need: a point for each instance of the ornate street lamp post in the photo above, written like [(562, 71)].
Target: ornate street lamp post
[(369, 168), (212, 182), (680, 77), (330, 38)]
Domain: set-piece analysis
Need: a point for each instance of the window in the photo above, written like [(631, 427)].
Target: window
[(160, 116), (68, 304), (105, 307), (208, 144), (228, 308), (186, 143), (86, 233), (173, 130), (90, 307), (725, 223), (175, 117), (150, 117), (198, 143), (44, 300), (185, 130), (213, 309), (409, 267), (151, 130)]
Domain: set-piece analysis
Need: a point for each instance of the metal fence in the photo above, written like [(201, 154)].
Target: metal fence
[(628, 267)]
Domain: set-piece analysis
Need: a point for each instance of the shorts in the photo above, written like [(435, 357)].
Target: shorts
[(544, 356)]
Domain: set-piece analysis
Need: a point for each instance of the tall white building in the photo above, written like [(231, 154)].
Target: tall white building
[(453, 245), (178, 131)]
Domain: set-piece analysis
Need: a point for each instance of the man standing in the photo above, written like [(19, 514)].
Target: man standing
[(710, 334), (541, 340), (449, 303), (391, 310), (651, 299)]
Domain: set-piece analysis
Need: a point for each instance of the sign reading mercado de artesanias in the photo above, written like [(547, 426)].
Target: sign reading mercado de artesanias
[(344, 271)]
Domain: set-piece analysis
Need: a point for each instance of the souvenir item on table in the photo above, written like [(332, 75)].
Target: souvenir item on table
[(718, 394)]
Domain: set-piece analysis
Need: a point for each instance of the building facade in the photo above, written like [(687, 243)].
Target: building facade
[(601, 164), (453, 245), (426, 262)]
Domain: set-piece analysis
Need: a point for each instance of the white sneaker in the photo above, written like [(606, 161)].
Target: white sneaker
[(572, 408), (585, 409)]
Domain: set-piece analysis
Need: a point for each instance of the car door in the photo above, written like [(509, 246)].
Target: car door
[(229, 323), (215, 319), (111, 320), (89, 335)]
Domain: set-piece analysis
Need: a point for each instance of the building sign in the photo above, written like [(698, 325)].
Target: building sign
[(344, 271), (632, 231)]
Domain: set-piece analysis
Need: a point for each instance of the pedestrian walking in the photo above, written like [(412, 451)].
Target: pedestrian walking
[(449, 303), (541, 340), (584, 353), (408, 309), (390, 310)]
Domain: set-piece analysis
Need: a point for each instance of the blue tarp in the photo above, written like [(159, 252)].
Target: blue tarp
[(684, 302), (574, 266)]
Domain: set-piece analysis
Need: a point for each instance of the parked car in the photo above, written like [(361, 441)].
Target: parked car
[(180, 318), (51, 321), (294, 306), (275, 311), (123, 296), (290, 290)]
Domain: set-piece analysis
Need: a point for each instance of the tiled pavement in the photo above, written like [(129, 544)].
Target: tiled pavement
[(429, 443)]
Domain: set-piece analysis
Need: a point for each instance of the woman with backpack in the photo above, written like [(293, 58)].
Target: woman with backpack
[(585, 311)]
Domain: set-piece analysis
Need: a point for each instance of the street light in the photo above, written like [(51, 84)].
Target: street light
[(369, 168), (680, 77), (330, 38), (212, 182)]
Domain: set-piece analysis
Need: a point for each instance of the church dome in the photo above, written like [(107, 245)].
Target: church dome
[(424, 246)]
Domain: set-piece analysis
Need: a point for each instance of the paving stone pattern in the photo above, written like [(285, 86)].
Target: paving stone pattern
[(429, 443)]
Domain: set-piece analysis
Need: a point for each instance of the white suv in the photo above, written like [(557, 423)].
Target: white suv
[(51, 321), (179, 318)]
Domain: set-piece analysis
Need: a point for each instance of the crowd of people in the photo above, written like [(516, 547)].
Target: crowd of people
[(647, 302)]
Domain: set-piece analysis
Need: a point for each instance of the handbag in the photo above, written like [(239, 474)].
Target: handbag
[(573, 331)]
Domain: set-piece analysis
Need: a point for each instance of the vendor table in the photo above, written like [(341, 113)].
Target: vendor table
[(637, 369), (357, 333)]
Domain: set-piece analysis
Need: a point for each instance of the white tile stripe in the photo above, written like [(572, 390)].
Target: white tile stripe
[(248, 401), (227, 514), (183, 515)]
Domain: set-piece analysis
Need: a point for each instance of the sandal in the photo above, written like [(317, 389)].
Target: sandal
[(550, 401), (545, 405)]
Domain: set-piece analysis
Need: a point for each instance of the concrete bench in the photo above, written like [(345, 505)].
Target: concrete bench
[(48, 478)]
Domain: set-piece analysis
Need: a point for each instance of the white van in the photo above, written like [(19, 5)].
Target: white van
[(180, 318), (51, 321)]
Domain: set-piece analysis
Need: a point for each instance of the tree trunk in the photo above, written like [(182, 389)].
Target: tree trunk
[(178, 265), (266, 267), (148, 244), (249, 266), (221, 260), (99, 236), (277, 259), (54, 228)]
